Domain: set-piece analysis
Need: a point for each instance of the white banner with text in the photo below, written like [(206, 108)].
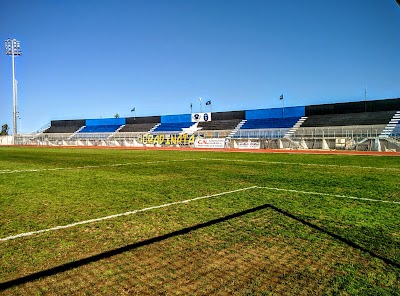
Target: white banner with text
[(209, 143)]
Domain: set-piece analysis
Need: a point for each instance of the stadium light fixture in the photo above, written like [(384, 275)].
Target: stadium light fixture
[(13, 48)]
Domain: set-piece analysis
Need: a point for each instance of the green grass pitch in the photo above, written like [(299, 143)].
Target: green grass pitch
[(252, 223)]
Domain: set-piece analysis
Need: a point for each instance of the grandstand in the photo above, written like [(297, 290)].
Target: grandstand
[(362, 125), (140, 124)]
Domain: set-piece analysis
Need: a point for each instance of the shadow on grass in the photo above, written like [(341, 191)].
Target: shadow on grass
[(81, 262)]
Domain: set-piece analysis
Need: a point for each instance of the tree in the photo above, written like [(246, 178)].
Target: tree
[(4, 129), (116, 115)]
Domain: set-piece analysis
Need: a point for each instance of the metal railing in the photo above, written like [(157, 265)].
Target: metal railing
[(346, 138)]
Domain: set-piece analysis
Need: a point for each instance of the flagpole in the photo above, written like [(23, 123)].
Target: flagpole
[(201, 111), (365, 98), (134, 113), (208, 103)]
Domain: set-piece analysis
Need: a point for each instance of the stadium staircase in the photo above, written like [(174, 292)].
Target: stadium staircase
[(361, 145), (236, 129), (42, 129), (393, 127), (116, 131), (154, 127), (75, 133), (293, 130)]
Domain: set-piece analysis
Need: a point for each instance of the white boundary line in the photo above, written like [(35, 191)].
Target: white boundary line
[(194, 159), (122, 214), (328, 194), (91, 166), (187, 201), (303, 164)]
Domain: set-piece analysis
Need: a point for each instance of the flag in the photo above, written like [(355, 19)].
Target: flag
[(281, 97), (208, 103), (133, 110)]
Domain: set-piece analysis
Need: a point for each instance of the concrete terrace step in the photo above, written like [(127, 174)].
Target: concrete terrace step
[(391, 126), (295, 127)]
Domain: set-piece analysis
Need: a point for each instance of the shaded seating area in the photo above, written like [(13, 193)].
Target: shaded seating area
[(349, 119), (62, 129), (140, 124), (65, 126), (137, 128), (100, 129), (219, 124)]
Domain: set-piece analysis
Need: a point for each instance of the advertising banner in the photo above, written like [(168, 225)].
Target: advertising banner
[(209, 143), (249, 145)]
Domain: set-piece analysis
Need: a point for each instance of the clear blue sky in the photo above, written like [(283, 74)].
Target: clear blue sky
[(91, 59)]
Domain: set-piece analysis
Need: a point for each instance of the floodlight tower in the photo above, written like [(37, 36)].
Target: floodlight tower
[(13, 49)]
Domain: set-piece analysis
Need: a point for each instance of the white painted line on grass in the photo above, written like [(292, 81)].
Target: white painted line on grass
[(328, 194), (122, 214), (91, 166), (187, 201), (304, 164), (196, 159)]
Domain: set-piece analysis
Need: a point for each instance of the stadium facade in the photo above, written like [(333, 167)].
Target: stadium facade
[(363, 125)]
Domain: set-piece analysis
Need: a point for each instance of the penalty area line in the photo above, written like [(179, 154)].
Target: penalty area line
[(188, 201), (121, 214), (328, 194), (303, 164)]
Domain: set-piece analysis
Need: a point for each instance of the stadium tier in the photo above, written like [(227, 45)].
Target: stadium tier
[(65, 126), (140, 124), (219, 125), (172, 126), (138, 128), (267, 123), (352, 125), (364, 118), (100, 129)]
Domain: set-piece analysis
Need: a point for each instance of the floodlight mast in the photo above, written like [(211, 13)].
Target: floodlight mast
[(13, 48)]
